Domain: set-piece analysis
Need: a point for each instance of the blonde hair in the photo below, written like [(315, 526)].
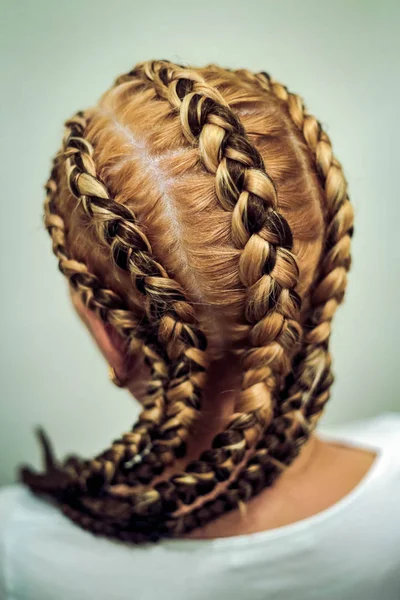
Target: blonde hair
[(200, 212)]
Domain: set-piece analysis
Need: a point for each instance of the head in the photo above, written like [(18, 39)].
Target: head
[(204, 227)]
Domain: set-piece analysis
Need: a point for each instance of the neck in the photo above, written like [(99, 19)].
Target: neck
[(218, 402), (217, 407)]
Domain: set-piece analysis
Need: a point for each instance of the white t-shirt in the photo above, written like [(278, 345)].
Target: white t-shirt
[(349, 551)]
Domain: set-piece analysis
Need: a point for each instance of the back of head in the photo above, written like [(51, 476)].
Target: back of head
[(201, 214)]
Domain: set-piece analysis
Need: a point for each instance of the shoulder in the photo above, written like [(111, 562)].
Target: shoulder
[(10, 498), (381, 432), (40, 547), (16, 500), (22, 511), (30, 521)]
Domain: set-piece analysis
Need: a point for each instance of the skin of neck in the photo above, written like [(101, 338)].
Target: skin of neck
[(218, 401)]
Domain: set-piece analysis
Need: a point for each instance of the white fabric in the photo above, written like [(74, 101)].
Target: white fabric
[(349, 551)]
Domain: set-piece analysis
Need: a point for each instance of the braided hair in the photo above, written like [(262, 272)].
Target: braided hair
[(280, 290)]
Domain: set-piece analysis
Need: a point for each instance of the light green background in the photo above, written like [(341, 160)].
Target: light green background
[(58, 57)]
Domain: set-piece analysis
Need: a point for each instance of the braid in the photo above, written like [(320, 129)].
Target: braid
[(303, 392), (276, 409), (165, 303), (111, 309)]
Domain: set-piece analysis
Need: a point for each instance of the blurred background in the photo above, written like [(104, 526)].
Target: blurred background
[(342, 56)]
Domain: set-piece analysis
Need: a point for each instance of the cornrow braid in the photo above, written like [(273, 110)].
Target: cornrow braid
[(116, 226), (111, 309), (307, 388)]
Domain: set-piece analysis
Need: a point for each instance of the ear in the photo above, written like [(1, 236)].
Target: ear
[(127, 368), (111, 346)]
